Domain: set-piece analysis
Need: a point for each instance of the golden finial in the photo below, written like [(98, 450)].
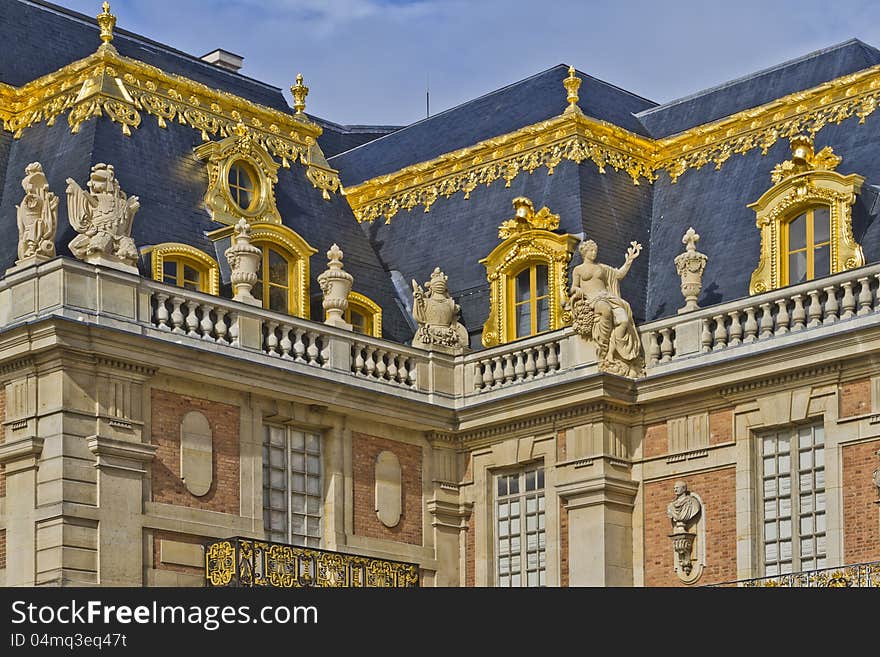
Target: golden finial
[(572, 84), (106, 21), (299, 91)]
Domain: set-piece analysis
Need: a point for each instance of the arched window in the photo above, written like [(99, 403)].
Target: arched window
[(283, 278), (530, 296), (807, 244), (185, 266), (364, 315)]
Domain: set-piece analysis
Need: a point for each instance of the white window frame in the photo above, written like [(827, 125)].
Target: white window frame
[(503, 504)]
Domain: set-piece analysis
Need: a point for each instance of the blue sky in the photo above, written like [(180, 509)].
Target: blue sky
[(368, 61)]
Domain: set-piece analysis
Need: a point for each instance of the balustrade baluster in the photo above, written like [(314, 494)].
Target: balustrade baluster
[(799, 315), (220, 327), (814, 313), (402, 371), (519, 369), (666, 345), (865, 296), (541, 361), (653, 349), (370, 361), (705, 337), (487, 373), (312, 352), (358, 358), (299, 347), (271, 339), (766, 326), (782, 317), (849, 301), (392, 367), (234, 330), (381, 367), (325, 350), (162, 312), (497, 372), (831, 305), (530, 362), (751, 328), (206, 325), (552, 357), (509, 371), (736, 329), (720, 333), (177, 316)]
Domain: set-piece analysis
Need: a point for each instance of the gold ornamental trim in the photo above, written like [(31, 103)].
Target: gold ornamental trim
[(370, 307), (573, 136), (124, 89), (205, 263)]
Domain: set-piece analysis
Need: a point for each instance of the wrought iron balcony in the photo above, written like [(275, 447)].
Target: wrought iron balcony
[(860, 575), (247, 562)]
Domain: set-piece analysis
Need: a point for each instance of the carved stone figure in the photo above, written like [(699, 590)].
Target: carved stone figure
[(37, 217), (437, 315), (244, 261), (335, 284), (601, 315), (103, 217), (684, 509), (690, 265), (684, 512)]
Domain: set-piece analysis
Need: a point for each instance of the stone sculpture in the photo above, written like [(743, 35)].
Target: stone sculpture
[(437, 315), (244, 261), (684, 512), (335, 284), (103, 217), (690, 265), (600, 314), (37, 218)]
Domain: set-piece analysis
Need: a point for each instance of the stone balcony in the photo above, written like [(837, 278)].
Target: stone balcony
[(101, 297)]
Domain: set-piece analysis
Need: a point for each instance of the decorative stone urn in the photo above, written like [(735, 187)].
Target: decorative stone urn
[(335, 284), (244, 260), (690, 265)]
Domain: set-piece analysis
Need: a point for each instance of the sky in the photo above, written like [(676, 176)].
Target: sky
[(370, 61)]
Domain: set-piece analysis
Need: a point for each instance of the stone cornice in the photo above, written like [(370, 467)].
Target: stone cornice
[(577, 138)]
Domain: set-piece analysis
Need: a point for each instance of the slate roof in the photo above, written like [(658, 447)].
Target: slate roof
[(522, 103), (759, 88)]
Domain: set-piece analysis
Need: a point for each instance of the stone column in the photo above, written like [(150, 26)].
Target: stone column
[(449, 519)]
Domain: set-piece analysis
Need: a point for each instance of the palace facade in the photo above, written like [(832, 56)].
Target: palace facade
[(558, 335)]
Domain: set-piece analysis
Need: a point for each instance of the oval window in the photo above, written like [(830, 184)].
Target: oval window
[(242, 182)]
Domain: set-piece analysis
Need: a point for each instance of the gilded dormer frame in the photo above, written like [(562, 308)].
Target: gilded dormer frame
[(528, 239), (220, 156), (807, 180)]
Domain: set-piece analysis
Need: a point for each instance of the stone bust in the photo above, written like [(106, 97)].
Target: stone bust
[(684, 509)]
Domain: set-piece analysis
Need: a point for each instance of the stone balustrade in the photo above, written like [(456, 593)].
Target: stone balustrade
[(126, 302)]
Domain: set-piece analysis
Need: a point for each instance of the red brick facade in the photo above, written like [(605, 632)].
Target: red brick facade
[(855, 398), (656, 440), (721, 426), (563, 544), (365, 450), (861, 516), (167, 411), (2, 548), (158, 537), (717, 489)]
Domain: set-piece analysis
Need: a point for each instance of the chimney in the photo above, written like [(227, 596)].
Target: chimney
[(224, 59)]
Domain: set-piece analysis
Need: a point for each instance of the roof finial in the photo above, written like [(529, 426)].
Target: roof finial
[(572, 84), (106, 21), (299, 91)]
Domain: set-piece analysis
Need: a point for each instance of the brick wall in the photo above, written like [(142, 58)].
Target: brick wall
[(861, 517), (166, 411), (158, 537), (470, 568), (855, 398), (563, 544), (656, 440), (717, 489), (365, 449), (721, 426), (2, 548)]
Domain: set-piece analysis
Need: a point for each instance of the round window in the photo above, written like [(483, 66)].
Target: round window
[(242, 181)]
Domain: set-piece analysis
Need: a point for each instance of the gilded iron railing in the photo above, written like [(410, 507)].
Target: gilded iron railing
[(860, 575), (248, 562)]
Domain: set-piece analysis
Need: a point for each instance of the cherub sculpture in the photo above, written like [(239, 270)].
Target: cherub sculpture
[(103, 217)]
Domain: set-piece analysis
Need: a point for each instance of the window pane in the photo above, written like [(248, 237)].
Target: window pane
[(190, 274), (523, 320), (770, 531), (277, 268), (806, 461), (797, 267), (769, 466), (169, 270), (784, 464), (543, 314), (821, 262), (278, 299), (797, 233), (821, 224), (784, 506), (523, 286), (541, 279)]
